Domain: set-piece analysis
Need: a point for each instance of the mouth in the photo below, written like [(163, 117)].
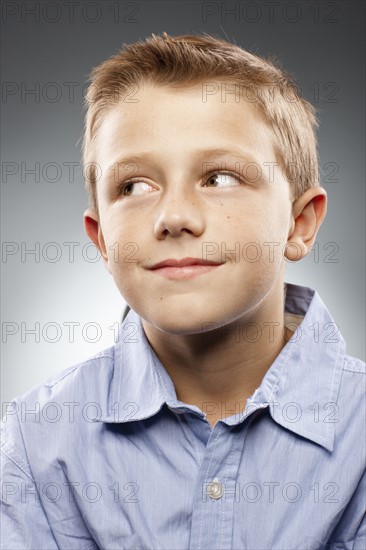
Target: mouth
[(186, 268)]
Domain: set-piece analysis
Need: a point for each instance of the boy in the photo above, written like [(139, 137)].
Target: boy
[(228, 414)]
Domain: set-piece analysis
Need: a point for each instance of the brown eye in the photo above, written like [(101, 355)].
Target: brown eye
[(223, 178), (126, 189), (141, 187)]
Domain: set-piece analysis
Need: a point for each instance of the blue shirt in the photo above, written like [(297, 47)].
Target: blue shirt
[(103, 455)]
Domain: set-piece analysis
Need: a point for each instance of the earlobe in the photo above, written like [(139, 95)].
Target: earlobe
[(308, 212), (95, 234)]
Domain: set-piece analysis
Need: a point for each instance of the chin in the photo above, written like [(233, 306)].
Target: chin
[(180, 326), (190, 314)]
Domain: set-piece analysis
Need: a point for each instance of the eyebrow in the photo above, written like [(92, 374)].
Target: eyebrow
[(233, 152)]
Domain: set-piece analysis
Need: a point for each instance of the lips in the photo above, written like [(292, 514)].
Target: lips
[(184, 269), (183, 263)]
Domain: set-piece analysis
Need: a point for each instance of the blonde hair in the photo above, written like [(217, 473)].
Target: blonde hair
[(185, 60)]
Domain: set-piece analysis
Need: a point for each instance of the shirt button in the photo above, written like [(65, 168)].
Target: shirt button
[(215, 489)]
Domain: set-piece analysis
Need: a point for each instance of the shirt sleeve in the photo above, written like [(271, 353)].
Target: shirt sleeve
[(360, 539), (350, 533), (23, 521)]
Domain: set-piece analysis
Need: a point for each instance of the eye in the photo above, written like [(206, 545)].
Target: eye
[(226, 179), (127, 188)]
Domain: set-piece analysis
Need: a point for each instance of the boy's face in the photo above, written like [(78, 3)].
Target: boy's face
[(184, 206)]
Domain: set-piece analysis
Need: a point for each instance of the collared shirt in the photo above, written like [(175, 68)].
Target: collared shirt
[(103, 455)]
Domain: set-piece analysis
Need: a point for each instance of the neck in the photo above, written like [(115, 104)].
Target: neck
[(218, 370)]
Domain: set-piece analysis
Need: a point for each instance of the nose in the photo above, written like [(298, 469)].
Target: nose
[(179, 214)]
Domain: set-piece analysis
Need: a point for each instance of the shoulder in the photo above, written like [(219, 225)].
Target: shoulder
[(354, 364), (352, 382), (350, 405), (65, 399), (87, 379)]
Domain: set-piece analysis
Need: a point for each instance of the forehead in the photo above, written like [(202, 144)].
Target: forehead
[(176, 121)]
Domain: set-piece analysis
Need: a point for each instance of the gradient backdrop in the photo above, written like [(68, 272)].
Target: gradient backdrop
[(61, 291)]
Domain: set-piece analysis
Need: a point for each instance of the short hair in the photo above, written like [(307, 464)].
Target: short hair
[(185, 60)]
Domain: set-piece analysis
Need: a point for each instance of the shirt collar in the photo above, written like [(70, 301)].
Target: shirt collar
[(300, 388)]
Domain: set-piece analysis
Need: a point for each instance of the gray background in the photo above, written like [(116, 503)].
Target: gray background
[(320, 43)]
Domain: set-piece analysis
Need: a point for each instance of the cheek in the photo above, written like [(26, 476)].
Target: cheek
[(262, 234), (121, 245), (259, 224)]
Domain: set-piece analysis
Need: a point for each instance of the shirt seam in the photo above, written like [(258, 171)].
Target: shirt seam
[(77, 367), (354, 367), (223, 503), (9, 454), (32, 478)]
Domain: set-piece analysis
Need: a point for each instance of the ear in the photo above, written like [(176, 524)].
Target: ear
[(94, 232), (308, 212)]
